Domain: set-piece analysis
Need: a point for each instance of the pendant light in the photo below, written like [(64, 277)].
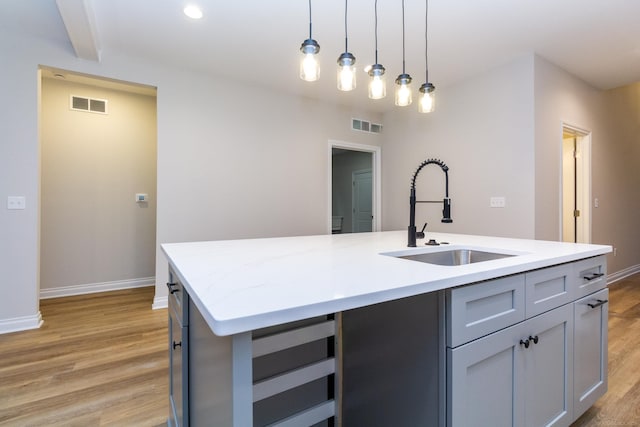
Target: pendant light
[(403, 81), (377, 83), (426, 99), (309, 65), (346, 62)]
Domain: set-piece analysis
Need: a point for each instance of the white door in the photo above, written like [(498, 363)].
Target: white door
[(362, 201), (576, 186)]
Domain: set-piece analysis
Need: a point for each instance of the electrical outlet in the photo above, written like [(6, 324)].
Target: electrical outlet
[(16, 202), (497, 202), (615, 251)]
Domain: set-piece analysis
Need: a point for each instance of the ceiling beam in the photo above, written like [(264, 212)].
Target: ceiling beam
[(80, 22)]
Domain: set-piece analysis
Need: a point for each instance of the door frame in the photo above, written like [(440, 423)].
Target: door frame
[(584, 143), (376, 169)]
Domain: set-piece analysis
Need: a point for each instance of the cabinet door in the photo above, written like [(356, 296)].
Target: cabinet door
[(178, 373), (484, 381), (501, 380), (590, 356), (547, 363)]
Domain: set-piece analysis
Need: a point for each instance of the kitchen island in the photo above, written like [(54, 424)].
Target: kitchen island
[(342, 327)]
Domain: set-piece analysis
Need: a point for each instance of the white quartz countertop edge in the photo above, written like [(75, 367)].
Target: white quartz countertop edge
[(243, 285)]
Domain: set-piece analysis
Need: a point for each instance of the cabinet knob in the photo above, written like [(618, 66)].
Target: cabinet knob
[(171, 288), (525, 343), (177, 344), (534, 339)]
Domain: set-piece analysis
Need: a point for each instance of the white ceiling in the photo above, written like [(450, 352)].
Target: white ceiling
[(257, 41)]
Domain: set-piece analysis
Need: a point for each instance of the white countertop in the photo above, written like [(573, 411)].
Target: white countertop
[(242, 285)]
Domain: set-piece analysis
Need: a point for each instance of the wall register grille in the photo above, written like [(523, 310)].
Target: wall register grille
[(365, 126), (92, 105)]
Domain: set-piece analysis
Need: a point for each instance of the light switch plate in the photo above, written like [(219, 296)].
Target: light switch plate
[(16, 202), (497, 202)]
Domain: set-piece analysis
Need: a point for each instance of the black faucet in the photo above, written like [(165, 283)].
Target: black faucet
[(446, 210)]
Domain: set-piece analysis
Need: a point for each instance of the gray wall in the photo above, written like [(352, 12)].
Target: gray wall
[(617, 166), (483, 130), (613, 118), (92, 229)]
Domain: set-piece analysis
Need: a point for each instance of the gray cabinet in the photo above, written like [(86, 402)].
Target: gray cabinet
[(528, 355), (178, 354), (519, 376), (590, 354)]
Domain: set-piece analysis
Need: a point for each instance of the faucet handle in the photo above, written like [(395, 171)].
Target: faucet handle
[(420, 234)]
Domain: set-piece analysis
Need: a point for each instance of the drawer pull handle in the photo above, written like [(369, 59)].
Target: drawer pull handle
[(534, 339), (171, 288), (177, 344), (599, 303), (593, 276), (525, 343)]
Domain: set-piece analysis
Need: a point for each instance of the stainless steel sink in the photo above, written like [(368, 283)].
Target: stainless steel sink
[(455, 257)]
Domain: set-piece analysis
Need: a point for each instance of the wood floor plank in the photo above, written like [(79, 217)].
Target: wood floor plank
[(98, 360)]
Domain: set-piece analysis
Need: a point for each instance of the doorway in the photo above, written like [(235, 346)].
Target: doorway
[(576, 185), (97, 184), (354, 188)]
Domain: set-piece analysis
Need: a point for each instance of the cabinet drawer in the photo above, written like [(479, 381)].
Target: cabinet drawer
[(589, 275), (547, 289), (178, 300), (482, 308)]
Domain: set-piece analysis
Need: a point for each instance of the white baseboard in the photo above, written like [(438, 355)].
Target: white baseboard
[(623, 274), (90, 288), (20, 323), (160, 302)]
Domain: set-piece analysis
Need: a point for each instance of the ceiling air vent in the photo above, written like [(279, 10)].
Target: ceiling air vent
[(92, 105), (365, 126)]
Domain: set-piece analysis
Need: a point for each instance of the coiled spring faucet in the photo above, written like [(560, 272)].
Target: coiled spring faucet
[(446, 210)]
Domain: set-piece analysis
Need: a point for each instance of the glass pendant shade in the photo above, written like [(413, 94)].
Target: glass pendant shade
[(309, 65), (377, 82), (403, 90), (426, 99), (346, 72)]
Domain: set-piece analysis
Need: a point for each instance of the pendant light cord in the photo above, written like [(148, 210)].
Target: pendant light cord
[(346, 48), (403, 71), (376, 28), (426, 42), (310, 19)]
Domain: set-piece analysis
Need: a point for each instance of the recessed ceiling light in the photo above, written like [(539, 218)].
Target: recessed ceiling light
[(193, 11)]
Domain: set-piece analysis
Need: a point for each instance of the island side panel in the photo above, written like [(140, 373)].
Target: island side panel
[(212, 392), (393, 359)]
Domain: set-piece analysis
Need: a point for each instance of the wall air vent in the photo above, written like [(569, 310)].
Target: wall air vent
[(92, 105), (365, 126)]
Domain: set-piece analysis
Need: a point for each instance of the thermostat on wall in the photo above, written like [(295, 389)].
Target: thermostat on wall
[(142, 197)]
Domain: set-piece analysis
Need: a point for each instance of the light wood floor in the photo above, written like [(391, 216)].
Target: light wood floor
[(98, 359), (101, 359)]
